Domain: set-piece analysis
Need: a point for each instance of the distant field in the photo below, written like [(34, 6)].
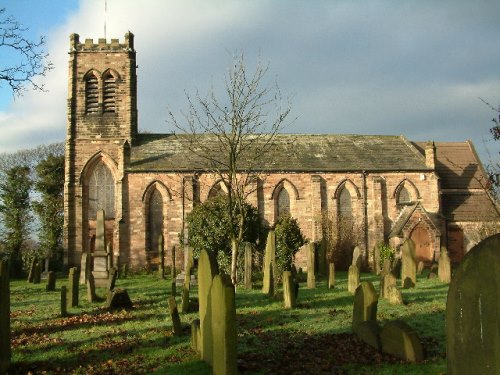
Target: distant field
[(314, 338)]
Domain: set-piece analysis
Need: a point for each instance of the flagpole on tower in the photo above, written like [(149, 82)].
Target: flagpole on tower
[(105, 14)]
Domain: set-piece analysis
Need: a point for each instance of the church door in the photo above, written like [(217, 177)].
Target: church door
[(424, 251)]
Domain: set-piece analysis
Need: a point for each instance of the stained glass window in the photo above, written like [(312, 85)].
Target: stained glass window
[(283, 203), (155, 219), (101, 192)]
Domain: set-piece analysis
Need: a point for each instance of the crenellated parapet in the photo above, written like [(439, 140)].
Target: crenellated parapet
[(102, 44)]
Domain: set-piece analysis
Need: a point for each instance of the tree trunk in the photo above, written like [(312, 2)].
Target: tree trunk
[(234, 259)]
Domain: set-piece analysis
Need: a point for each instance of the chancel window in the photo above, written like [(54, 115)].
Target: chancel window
[(155, 219), (345, 204), (101, 192), (109, 94), (283, 203), (91, 94), (216, 191)]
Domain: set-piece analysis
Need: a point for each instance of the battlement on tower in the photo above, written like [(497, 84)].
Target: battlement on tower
[(102, 44)]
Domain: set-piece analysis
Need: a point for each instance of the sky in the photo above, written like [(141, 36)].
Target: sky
[(416, 68)]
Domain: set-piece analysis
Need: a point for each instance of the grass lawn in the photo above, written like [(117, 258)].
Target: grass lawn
[(314, 338)]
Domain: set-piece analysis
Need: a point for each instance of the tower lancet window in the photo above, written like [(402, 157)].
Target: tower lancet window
[(91, 94), (109, 94)]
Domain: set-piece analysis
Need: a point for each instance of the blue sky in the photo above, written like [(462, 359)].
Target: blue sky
[(415, 68)]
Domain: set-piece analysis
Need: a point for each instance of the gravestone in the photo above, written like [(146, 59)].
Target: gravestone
[(311, 266), (223, 326), (174, 315), (84, 269), (195, 335), (173, 270), (185, 292), (331, 275), (386, 281), (444, 266), (357, 257), (207, 269), (64, 302), (269, 264), (365, 304), (91, 295), (420, 268), (5, 348), (109, 253), (248, 266), (408, 264), (37, 273), (394, 295), (113, 274), (31, 273), (288, 290), (369, 332), (433, 273), (73, 287), (161, 255), (118, 299), (472, 312), (352, 279), (51, 281), (100, 256), (400, 340)]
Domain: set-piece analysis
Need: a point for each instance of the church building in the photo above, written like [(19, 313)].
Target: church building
[(434, 193)]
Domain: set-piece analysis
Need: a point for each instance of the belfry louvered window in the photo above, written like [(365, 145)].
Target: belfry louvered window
[(109, 97), (101, 192), (155, 219), (91, 94)]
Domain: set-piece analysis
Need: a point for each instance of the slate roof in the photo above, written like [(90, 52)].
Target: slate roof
[(291, 153), (468, 206)]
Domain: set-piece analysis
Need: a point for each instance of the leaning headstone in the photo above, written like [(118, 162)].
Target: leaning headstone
[(311, 266), (37, 273), (357, 257), (207, 269), (331, 275), (444, 266), (113, 274), (394, 296), (31, 273), (352, 279), (472, 312), (365, 304), (174, 315), (269, 264), (369, 332), (5, 348), (408, 264), (161, 256), (51, 281), (118, 299), (223, 326), (73, 287), (91, 294), (400, 340), (195, 335), (248, 266), (288, 290), (64, 302)]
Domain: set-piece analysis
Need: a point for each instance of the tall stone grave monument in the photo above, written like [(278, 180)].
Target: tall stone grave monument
[(100, 255), (269, 264), (472, 312)]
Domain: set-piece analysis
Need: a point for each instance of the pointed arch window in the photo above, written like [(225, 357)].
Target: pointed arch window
[(283, 203), (216, 191), (345, 204), (404, 196), (155, 219), (101, 192), (109, 93), (91, 94)]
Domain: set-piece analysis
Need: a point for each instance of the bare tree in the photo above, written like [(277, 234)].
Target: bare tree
[(26, 58), (493, 166), (231, 136)]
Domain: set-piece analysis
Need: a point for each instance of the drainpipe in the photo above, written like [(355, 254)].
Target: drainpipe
[(365, 214)]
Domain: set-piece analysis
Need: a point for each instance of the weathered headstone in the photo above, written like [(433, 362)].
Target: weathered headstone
[(420, 268), (113, 274), (185, 292), (331, 275), (174, 315), (84, 269), (357, 257), (248, 266), (408, 264), (472, 312), (288, 290), (64, 302), (269, 264), (91, 294), (207, 269), (195, 335), (161, 256), (51, 281), (223, 326), (311, 266), (444, 266), (37, 273), (393, 295), (173, 270), (386, 281), (118, 299), (5, 348), (400, 340), (73, 287), (352, 278), (100, 256), (365, 304), (109, 253), (31, 273), (369, 332)]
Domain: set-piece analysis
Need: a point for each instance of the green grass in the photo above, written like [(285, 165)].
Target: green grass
[(311, 339)]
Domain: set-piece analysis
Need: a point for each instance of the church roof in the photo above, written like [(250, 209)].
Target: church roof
[(290, 153), (469, 206)]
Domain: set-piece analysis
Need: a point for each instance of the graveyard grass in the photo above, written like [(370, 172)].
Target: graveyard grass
[(313, 338)]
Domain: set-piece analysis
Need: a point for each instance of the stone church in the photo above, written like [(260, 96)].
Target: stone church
[(434, 193)]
